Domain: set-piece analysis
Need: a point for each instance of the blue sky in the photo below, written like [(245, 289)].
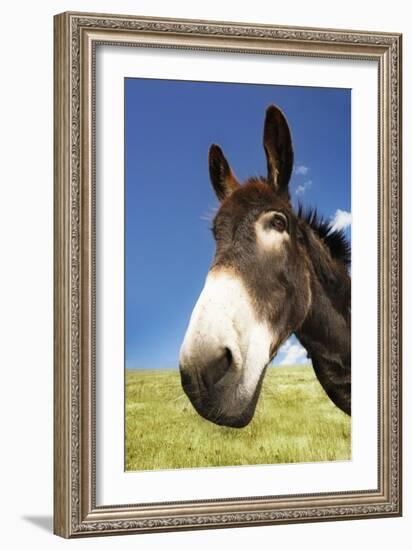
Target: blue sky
[(169, 126)]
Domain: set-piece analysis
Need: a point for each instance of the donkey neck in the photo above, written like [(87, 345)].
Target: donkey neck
[(326, 331)]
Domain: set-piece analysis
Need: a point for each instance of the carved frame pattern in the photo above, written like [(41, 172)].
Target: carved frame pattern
[(76, 36)]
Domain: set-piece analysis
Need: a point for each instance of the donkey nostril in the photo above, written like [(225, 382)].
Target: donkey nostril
[(185, 378), (228, 357), (223, 365), (214, 372)]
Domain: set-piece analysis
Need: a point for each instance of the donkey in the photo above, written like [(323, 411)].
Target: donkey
[(275, 272)]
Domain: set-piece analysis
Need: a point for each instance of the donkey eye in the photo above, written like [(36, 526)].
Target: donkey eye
[(279, 222)]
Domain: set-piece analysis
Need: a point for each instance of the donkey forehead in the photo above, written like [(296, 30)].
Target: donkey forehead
[(248, 202)]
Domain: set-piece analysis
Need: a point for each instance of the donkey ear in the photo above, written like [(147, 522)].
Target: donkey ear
[(278, 148), (223, 180)]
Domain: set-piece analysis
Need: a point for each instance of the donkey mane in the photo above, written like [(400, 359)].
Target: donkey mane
[(334, 239)]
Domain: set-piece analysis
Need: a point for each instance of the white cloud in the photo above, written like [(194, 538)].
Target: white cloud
[(294, 353), (301, 170), (301, 189), (340, 220), (210, 214), (285, 346)]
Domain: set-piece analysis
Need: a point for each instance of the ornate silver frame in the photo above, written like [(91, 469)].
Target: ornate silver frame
[(75, 38)]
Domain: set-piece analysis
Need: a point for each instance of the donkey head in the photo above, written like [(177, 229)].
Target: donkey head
[(257, 291)]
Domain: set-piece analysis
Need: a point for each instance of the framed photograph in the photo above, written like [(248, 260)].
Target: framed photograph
[(227, 248)]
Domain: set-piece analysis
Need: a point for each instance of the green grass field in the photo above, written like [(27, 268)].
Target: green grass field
[(294, 422)]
